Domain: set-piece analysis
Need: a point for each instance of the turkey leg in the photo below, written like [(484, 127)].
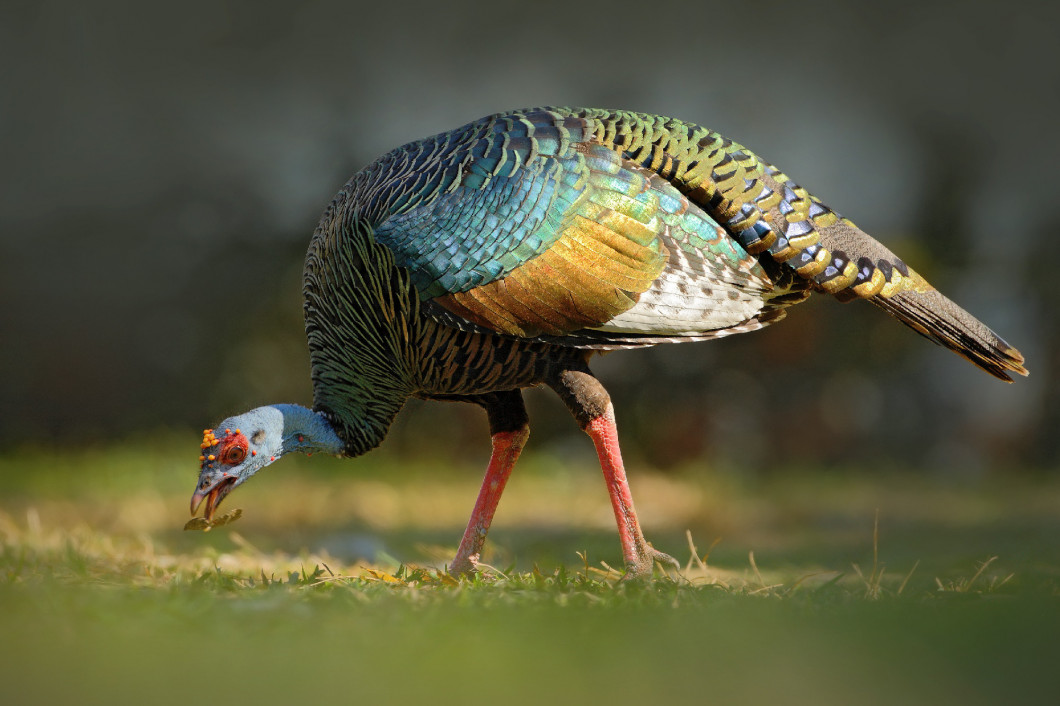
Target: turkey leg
[(591, 406), (509, 430)]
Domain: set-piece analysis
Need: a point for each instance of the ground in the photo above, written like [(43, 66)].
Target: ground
[(802, 587)]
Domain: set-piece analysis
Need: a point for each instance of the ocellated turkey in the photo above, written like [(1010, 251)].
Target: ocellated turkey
[(505, 253)]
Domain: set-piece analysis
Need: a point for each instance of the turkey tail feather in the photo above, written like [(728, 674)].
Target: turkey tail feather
[(937, 318)]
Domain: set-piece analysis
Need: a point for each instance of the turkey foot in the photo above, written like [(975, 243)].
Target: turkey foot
[(644, 567)]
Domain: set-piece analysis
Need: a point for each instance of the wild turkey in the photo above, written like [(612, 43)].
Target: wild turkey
[(505, 253)]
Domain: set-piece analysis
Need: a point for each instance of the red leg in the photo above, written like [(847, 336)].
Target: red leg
[(640, 557), (506, 448)]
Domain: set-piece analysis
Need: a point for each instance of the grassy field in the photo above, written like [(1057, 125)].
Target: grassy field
[(327, 590)]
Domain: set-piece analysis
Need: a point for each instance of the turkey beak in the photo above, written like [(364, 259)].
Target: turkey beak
[(212, 490), (196, 501)]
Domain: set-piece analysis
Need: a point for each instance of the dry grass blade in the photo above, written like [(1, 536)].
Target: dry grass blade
[(762, 586), (754, 566), (493, 570), (701, 564), (907, 577), (965, 585), (874, 581), (979, 572)]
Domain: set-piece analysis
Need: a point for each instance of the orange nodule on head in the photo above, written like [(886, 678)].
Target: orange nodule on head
[(208, 439)]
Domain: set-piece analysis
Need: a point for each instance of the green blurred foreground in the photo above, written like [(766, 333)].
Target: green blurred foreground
[(326, 590)]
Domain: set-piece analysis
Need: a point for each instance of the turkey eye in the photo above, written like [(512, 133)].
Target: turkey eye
[(234, 455)]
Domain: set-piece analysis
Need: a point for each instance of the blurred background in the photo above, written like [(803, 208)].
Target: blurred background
[(164, 166)]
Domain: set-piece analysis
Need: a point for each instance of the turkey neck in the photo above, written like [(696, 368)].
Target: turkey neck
[(361, 325)]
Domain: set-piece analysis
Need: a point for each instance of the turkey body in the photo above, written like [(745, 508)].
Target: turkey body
[(504, 254)]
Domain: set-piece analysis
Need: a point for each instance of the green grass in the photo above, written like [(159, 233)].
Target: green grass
[(328, 589)]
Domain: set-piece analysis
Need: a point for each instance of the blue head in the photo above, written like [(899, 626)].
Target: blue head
[(241, 446)]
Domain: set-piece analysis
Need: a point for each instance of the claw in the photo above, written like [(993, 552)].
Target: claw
[(665, 559), (644, 569)]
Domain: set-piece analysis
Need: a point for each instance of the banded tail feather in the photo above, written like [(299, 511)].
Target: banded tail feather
[(938, 319)]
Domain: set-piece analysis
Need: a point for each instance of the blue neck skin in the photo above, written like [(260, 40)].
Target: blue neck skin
[(307, 431)]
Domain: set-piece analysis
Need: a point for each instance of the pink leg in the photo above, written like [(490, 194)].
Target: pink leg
[(506, 448), (640, 557)]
